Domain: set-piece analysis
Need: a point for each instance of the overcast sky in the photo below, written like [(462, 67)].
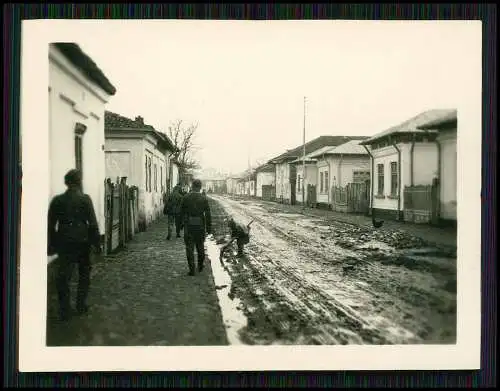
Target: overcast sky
[(244, 82)]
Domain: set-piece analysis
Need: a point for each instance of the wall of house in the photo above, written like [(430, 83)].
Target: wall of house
[(347, 165), (175, 176), (448, 189), (73, 98), (322, 166), (425, 163), (385, 156), (283, 181), (151, 202), (264, 179), (310, 179), (123, 157)]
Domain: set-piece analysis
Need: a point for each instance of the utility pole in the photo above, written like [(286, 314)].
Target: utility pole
[(304, 157)]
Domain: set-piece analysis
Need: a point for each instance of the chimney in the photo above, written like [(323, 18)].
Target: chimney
[(139, 120)]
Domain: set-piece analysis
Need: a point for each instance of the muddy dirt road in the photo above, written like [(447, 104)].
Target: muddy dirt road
[(306, 281)]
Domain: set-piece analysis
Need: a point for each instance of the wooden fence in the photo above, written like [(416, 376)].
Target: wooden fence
[(421, 203), (353, 198), (122, 213)]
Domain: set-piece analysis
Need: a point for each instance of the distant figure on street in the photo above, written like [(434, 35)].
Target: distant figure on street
[(197, 223), (172, 209), (204, 192), (240, 233), (77, 231)]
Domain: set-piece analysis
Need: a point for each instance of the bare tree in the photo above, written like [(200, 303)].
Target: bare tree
[(183, 137)]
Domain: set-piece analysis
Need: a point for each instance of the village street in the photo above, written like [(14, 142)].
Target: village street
[(313, 280)]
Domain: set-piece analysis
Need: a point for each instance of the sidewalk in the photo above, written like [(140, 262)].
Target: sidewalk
[(142, 296)]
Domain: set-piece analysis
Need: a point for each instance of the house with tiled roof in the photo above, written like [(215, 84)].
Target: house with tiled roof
[(143, 155), (286, 172), (337, 167), (405, 166), (78, 92)]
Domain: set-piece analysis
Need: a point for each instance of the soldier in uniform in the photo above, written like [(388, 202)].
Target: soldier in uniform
[(241, 233), (77, 231), (172, 210), (197, 223)]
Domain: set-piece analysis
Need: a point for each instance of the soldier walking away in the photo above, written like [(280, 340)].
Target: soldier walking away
[(77, 232), (172, 209), (197, 222)]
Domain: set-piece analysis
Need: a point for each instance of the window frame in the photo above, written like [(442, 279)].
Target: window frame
[(380, 179)]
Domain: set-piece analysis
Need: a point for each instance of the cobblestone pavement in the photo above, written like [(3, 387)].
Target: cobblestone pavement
[(142, 296)]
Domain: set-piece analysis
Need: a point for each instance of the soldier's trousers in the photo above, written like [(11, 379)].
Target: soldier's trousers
[(76, 255), (171, 220), (194, 239)]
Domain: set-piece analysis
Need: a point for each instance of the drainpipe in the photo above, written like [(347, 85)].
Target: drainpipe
[(399, 177), (371, 179), (339, 169), (412, 160), (438, 206)]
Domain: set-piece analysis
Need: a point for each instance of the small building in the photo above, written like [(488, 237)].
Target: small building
[(286, 173), (339, 167), (265, 182), (446, 126), (232, 185), (78, 92), (143, 155), (250, 183), (214, 185), (405, 168)]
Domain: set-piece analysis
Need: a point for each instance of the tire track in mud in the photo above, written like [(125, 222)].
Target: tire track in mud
[(416, 294), (324, 316)]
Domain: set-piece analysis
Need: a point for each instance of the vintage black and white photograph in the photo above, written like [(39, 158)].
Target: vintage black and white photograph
[(235, 184)]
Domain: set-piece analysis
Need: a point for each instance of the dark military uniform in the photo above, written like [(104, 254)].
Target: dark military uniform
[(74, 215), (197, 222), (241, 234), (172, 210)]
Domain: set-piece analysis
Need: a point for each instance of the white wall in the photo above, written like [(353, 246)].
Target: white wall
[(265, 179), (175, 175), (385, 156), (283, 181), (153, 199), (322, 166), (124, 158), (310, 179), (425, 163), (448, 193), (349, 164), (73, 98)]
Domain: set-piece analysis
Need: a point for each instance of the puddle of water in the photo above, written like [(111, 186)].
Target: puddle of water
[(234, 319)]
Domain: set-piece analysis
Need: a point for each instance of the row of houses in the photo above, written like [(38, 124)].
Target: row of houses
[(106, 147), (407, 172)]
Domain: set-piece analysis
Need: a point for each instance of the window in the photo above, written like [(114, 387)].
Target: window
[(321, 182), (161, 178), (148, 185), (327, 182), (394, 178), (298, 183), (380, 174), (79, 132)]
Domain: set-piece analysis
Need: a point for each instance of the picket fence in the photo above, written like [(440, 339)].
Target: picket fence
[(121, 213)]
